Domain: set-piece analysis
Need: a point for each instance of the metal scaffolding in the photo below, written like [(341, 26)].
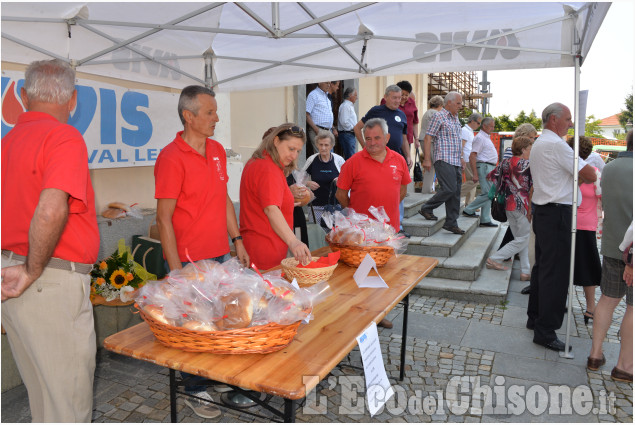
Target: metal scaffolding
[(465, 83)]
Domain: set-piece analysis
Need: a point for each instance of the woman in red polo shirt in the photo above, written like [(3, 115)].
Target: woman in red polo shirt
[(266, 202)]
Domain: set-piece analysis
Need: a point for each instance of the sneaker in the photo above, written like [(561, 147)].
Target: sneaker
[(204, 409), (222, 388)]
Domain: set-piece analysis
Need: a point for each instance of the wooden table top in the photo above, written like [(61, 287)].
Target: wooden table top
[(316, 349)]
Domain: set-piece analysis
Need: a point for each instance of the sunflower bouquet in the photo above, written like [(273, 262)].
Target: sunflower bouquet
[(118, 276)]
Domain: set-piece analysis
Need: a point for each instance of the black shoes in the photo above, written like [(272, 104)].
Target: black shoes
[(454, 229), (428, 215), (490, 224), (526, 290), (473, 215), (555, 345), (403, 232)]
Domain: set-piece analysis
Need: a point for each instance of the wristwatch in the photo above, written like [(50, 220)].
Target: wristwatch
[(237, 238)]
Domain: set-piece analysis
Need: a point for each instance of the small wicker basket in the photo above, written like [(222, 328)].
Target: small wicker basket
[(353, 255), (305, 277), (256, 339)]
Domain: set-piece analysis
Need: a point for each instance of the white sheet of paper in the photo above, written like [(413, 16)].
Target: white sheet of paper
[(378, 388), (361, 275)]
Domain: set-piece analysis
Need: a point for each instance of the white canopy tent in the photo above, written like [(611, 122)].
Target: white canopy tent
[(245, 46)]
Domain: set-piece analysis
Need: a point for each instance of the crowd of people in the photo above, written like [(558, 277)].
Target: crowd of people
[(50, 237)]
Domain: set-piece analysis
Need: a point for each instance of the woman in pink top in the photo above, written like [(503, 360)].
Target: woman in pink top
[(587, 268)]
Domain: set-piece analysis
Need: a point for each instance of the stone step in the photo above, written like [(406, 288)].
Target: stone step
[(491, 286), (440, 243), (467, 262), (413, 202)]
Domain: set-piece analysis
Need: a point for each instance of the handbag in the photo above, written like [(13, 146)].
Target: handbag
[(148, 253), (497, 195), (417, 174)]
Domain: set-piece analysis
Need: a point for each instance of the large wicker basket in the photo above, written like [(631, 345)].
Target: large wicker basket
[(353, 255), (305, 277), (256, 339)]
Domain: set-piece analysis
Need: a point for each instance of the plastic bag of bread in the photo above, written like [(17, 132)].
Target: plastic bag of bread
[(301, 192), (293, 304)]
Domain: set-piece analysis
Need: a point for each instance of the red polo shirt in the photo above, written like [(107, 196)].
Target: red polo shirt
[(199, 185), (263, 184), (43, 153), (374, 183)]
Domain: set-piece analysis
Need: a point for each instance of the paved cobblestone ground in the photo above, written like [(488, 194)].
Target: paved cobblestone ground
[(128, 390)]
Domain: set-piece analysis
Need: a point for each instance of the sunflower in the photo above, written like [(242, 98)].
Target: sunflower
[(100, 281), (118, 279), (103, 265)]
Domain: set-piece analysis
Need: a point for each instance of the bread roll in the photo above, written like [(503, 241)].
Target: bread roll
[(119, 205), (304, 199), (239, 310), (113, 213), (195, 325), (352, 238), (156, 313)]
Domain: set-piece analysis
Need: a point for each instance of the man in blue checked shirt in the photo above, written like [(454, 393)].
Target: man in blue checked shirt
[(319, 113)]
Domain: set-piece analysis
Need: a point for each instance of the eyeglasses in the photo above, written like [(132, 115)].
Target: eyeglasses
[(295, 130)]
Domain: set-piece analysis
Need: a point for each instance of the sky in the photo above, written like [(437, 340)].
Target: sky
[(607, 73)]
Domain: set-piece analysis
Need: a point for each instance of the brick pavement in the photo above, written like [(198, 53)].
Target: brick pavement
[(128, 390)]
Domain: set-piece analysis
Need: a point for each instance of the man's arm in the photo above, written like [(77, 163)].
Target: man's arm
[(342, 197), (233, 231), (165, 210), (405, 147), (473, 166), (358, 133), (415, 134), (402, 192), (427, 147), (309, 121), (47, 226)]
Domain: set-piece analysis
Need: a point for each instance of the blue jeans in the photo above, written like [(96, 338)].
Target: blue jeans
[(348, 143), (194, 387), (482, 201)]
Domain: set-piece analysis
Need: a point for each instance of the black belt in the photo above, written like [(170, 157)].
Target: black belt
[(347, 131), (323, 128), (488, 163), (55, 263), (555, 204)]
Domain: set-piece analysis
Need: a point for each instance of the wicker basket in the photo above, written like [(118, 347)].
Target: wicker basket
[(256, 339), (305, 277), (353, 255)]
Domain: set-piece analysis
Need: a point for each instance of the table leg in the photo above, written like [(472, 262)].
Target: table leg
[(404, 334), (172, 396), (289, 410)]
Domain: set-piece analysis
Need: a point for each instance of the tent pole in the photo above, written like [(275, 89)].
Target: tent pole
[(574, 207)]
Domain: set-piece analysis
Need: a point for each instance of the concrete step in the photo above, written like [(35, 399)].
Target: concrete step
[(490, 286), (413, 202), (440, 243), (467, 262)]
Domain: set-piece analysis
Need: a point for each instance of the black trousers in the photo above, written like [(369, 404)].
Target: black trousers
[(550, 275)]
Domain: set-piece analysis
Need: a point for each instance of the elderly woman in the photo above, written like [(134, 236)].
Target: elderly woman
[(324, 168), (266, 202), (515, 174), (587, 271)]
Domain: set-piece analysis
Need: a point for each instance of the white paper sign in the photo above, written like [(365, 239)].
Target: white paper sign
[(378, 389), (361, 275)]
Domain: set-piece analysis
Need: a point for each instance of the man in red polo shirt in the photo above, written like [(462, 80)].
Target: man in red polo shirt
[(194, 211), (375, 176), (50, 241)]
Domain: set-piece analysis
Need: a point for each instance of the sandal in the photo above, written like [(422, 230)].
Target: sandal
[(587, 316), (491, 264)]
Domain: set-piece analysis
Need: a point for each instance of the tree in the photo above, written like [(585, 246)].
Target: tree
[(627, 115), (505, 123), (591, 127)]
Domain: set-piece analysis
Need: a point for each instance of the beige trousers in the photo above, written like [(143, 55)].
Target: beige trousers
[(52, 337), (468, 188)]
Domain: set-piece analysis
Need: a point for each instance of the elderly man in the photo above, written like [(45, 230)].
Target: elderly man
[(551, 162), (617, 194), (445, 128), (483, 159), (50, 241), (376, 176), (319, 112), (194, 212), (468, 189), (346, 120), (434, 105)]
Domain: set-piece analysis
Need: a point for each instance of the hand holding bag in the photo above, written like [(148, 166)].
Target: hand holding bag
[(417, 173)]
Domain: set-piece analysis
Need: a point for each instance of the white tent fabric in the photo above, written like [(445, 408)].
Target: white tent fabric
[(264, 44)]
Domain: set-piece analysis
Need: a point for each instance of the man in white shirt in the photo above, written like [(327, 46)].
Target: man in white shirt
[(468, 188), (319, 113), (551, 162), (483, 159), (346, 120), (595, 160)]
